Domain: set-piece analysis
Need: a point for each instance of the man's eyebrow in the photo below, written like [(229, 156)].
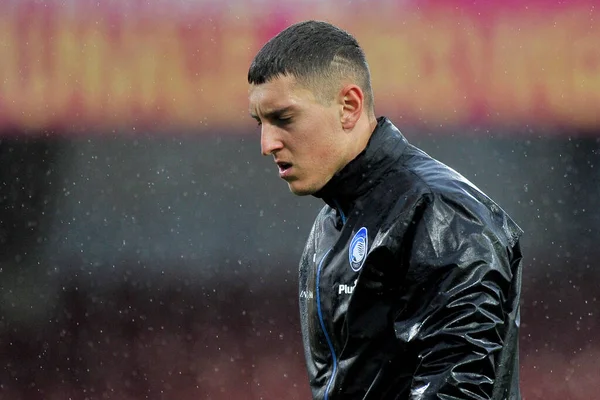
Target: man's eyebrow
[(274, 114)]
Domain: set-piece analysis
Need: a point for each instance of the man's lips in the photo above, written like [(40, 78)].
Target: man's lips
[(284, 168)]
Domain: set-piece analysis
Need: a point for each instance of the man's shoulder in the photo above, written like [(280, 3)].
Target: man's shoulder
[(429, 178), (418, 178), (446, 189), (424, 180), (433, 175)]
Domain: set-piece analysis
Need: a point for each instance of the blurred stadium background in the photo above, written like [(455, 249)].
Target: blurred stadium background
[(148, 251)]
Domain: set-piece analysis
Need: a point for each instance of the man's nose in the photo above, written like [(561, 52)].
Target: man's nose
[(269, 140)]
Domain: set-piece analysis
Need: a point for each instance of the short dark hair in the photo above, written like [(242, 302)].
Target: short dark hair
[(311, 51)]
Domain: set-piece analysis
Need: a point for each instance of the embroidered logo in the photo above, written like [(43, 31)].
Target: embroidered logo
[(358, 249)]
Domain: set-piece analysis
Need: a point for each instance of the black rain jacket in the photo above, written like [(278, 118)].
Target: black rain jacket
[(409, 282)]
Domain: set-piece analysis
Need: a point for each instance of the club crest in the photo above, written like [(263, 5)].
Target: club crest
[(358, 249)]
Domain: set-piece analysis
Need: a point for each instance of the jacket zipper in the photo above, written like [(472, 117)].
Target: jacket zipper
[(322, 322)]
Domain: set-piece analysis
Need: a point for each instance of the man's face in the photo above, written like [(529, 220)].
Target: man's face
[(304, 136)]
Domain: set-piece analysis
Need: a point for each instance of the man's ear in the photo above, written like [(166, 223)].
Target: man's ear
[(352, 101)]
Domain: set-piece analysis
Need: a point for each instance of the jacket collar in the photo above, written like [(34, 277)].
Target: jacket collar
[(385, 146)]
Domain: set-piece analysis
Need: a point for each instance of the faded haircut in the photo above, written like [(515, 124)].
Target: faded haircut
[(318, 55)]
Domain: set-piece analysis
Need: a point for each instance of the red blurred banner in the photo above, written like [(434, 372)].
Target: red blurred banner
[(140, 64)]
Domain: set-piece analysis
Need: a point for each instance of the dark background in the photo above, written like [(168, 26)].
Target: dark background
[(166, 266), (162, 264)]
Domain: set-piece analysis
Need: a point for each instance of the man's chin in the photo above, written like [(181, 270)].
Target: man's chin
[(300, 190)]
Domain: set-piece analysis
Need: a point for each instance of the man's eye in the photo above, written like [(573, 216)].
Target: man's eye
[(283, 121)]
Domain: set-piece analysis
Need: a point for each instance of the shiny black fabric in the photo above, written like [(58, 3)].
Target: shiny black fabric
[(426, 304)]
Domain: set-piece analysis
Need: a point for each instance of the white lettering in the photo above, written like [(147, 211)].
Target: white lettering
[(346, 289)]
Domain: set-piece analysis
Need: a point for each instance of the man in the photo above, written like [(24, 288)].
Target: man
[(410, 278)]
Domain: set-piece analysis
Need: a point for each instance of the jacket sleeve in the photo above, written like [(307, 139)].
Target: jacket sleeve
[(458, 299)]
